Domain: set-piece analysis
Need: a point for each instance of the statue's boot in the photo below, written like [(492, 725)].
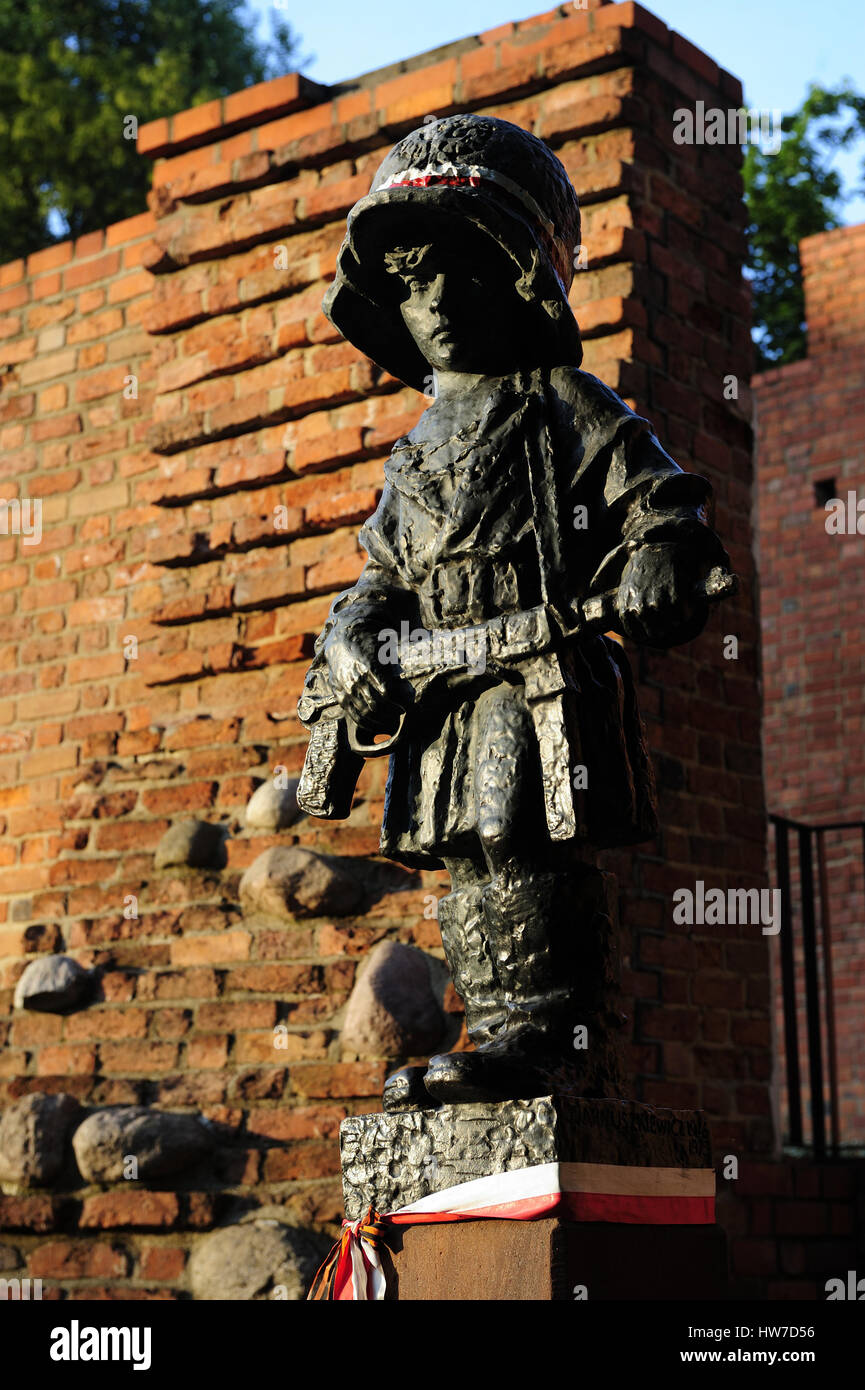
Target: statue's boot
[(462, 923), (405, 1090), (530, 922)]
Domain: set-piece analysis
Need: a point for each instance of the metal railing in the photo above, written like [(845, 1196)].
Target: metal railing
[(810, 838)]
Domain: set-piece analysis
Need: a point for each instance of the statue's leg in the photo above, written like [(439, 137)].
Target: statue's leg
[(543, 908), (554, 945), (533, 921), (529, 900), (532, 918), (504, 737), (463, 925), (462, 922)]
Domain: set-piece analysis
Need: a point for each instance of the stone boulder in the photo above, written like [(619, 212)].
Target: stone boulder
[(33, 1135), (194, 843), (52, 985), (256, 1261), (160, 1141), (293, 882), (393, 1010), (271, 807)]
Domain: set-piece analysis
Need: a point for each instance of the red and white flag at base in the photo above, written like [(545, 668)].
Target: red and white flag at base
[(579, 1191)]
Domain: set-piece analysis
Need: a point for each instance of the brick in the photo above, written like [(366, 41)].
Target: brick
[(172, 1023), (162, 1262), (130, 1209), (106, 1024), (696, 59), (12, 272), (837, 1181), (200, 1208), (13, 298), (190, 797), (130, 228), (674, 1024), (137, 1057), (264, 99), (86, 273), (153, 135), (67, 1259), (252, 1014), (34, 1028), (57, 427), (88, 244), (280, 979), (97, 385), (209, 950), (117, 986), (286, 1047), (338, 1078), (806, 1182), (53, 398), (66, 1061), (52, 365), (302, 1122), (754, 1257), (207, 1053), (169, 170), (19, 351), (633, 16), (801, 1218), (26, 1213), (181, 984), (44, 286), (273, 134), (302, 1161), (332, 199), (197, 120), (131, 286)]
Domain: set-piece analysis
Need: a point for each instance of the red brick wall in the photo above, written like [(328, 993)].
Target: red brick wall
[(811, 426), (791, 1226), (159, 525)]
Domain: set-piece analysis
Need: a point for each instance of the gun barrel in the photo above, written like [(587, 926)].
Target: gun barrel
[(600, 610)]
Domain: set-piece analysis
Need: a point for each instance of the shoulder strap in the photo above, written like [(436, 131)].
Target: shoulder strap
[(546, 508)]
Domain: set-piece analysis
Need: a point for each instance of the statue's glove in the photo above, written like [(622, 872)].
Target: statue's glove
[(658, 601), (369, 691)]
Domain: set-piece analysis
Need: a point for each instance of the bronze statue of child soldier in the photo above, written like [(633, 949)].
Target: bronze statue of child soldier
[(526, 513)]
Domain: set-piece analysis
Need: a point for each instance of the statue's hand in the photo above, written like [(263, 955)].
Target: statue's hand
[(366, 690), (657, 602)]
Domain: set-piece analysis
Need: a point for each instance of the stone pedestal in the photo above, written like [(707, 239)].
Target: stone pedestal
[(551, 1260), (392, 1160), (620, 1147)]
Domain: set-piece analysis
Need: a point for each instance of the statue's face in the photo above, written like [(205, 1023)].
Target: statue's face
[(461, 319)]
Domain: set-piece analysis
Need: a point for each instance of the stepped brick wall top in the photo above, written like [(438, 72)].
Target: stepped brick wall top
[(811, 424), (204, 446)]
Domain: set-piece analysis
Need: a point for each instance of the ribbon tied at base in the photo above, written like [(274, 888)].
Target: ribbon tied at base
[(578, 1191)]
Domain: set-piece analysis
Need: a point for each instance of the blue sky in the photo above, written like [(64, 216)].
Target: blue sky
[(775, 46)]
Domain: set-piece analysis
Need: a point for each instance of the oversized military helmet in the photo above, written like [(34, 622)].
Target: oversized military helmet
[(504, 185)]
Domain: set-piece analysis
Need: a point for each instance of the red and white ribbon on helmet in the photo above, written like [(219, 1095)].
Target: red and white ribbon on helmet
[(449, 175)]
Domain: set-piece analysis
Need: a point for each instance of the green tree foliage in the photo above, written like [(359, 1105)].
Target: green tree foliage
[(71, 71), (792, 194)]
